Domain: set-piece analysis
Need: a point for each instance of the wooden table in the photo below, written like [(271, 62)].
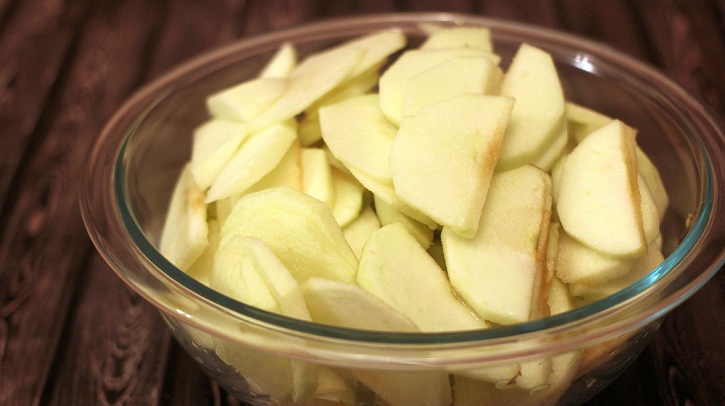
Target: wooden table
[(72, 334)]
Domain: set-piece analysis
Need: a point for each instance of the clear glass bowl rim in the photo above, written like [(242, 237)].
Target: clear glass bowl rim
[(600, 320)]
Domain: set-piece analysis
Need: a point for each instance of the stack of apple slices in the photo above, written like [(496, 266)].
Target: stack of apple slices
[(441, 193)]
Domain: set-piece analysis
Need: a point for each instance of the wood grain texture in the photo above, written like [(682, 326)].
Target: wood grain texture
[(72, 334)]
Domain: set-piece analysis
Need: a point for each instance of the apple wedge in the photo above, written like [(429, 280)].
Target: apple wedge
[(443, 158), (257, 156), (598, 198), (538, 115), (347, 305), (311, 79), (288, 172), (185, 234), (246, 101), (317, 176), (299, 229), (358, 232), (395, 268), (460, 37), (348, 197), (201, 269), (214, 144), (389, 215), (394, 80), (496, 271), (281, 64), (464, 74), (357, 133)]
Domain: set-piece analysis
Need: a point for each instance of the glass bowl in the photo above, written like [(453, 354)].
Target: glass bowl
[(250, 352)]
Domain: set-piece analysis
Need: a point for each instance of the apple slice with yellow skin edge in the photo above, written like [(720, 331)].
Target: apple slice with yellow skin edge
[(299, 229), (358, 232), (583, 121), (465, 74), (185, 234), (317, 176), (578, 263), (395, 268), (443, 158), (282, 62), (644, 266), (460, 37), (538, 115), (310, 129), (389, 215), (598, 200), (350, 306), (394, 80), (357, 134), (387, 193), (246, 101), (215, 142), (201, 269), (257, 156), (348, 197), (311, 79), (495, 271)]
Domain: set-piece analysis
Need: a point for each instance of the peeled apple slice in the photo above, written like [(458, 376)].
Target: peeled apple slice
[(299, 229), (444, 156), (185, 234), (598, 197)]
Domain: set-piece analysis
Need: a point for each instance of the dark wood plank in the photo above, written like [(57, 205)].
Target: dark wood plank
[(43, 248), (117, 346), (35, 40)]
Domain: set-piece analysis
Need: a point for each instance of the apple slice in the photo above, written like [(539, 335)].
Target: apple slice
[(357, 133), (201, 269), (386, 192), (395, 268), (460, 37), (185, 234), (582, 121), (389, 215), (299, 229), (464, 74), (317, 176), (246, 101), (395, 388), (377, 47), (495, 272), (215, 143), (394, 80), (444, 156), (577, 263), (259, 154), (599, 201), (287, 173), (538, 115), (642, 267), (348, 197), (281, 64), (311, 79), (346, 305), (358, 232), (310, 129), (652, 177)]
